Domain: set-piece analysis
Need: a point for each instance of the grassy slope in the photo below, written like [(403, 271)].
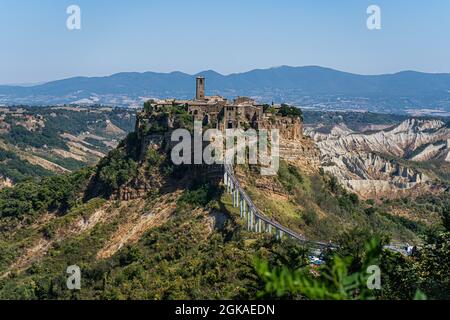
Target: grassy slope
[(317, 207)]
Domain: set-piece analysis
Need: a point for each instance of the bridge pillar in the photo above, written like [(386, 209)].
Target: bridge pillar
[(233, 197), (241, 207), (233, 194), (253, 221), (238, 196), (259, 225)]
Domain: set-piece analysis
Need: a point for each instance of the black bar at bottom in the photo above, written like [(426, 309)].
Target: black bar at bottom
[(128, 310)]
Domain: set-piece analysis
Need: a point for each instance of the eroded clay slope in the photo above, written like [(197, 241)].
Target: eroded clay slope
[(370, 163)]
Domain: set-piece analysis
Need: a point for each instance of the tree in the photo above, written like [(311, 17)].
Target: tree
[(290, 111), (333, 281)]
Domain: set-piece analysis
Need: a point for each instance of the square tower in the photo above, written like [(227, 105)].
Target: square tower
[(200, 90)]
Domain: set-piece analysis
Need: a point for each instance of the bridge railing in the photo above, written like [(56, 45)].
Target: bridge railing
[(249, 208), (241, 197)]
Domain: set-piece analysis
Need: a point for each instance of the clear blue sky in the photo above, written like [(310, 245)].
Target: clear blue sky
[(227, 36)]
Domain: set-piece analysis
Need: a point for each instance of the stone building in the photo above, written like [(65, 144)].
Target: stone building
[(241, 113)]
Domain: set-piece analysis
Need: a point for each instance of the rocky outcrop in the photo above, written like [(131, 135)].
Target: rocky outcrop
[(432, 151), (290, 128), (398, 141), (5, 182), (321, 133), (302, 152), (365, 163)]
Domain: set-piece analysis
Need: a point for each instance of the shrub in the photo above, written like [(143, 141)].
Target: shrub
[(310, 217)]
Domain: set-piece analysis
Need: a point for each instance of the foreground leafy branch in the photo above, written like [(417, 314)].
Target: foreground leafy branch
[(333, 281)]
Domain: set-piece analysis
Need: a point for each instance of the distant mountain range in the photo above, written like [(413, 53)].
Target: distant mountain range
[(306, 86)]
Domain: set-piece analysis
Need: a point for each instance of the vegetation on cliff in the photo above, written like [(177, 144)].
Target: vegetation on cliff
[(284, 110), (30, 198), (117, 168), (164, 118)]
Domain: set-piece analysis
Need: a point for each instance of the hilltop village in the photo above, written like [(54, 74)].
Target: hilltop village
[(218, 112), (159, 118)]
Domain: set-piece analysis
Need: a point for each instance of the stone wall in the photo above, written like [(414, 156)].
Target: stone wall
[(290, 128)]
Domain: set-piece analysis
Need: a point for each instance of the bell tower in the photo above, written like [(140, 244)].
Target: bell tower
[(200, 89)]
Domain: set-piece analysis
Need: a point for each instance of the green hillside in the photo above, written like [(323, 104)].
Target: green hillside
[(184, 240)]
